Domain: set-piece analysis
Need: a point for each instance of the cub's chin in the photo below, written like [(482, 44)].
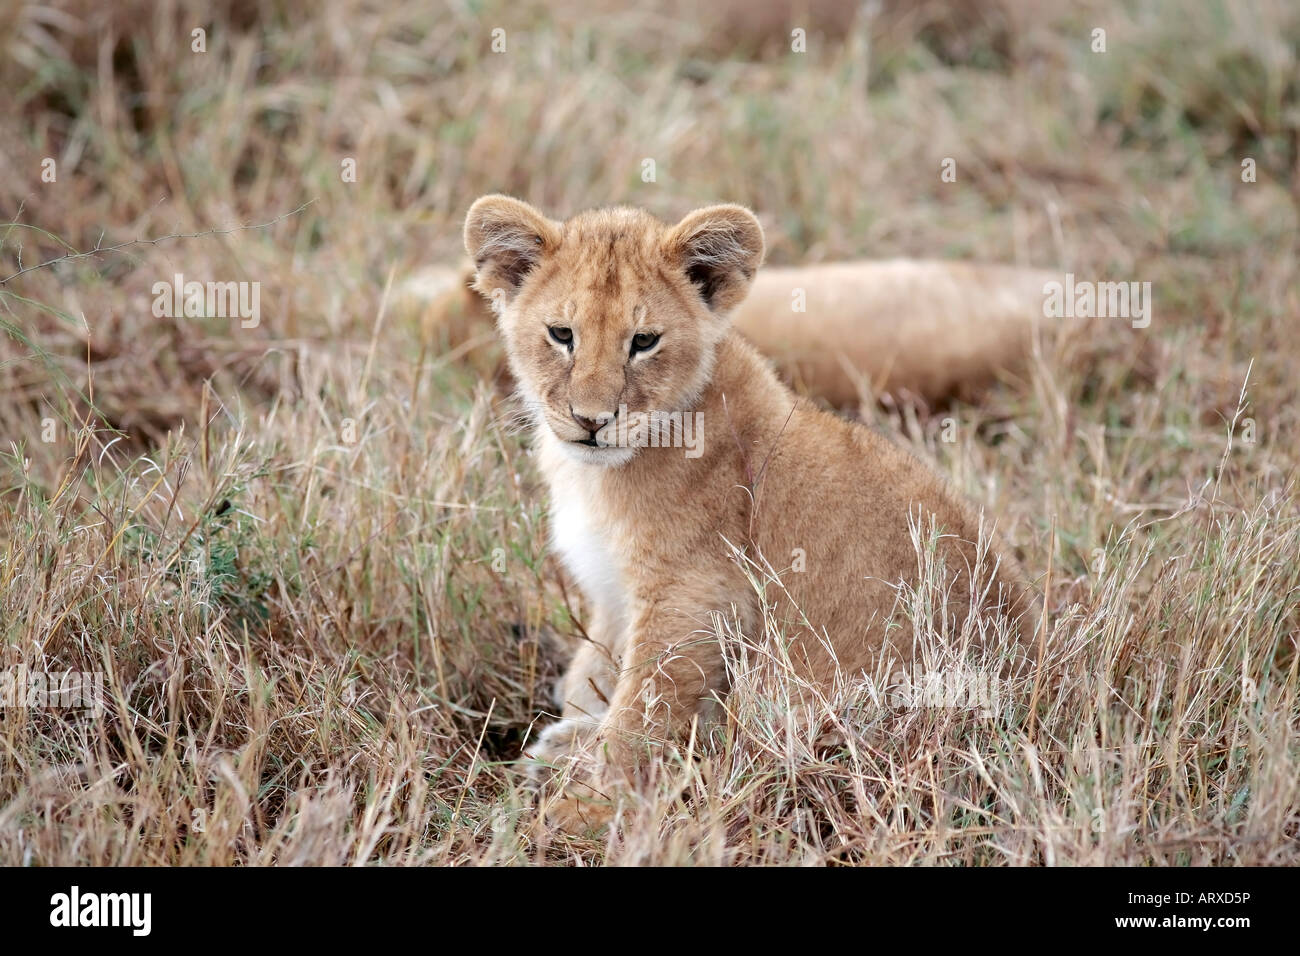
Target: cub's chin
[(606, 456)]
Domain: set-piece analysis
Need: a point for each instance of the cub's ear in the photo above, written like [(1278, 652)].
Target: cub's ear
[(506, 238), (719, 248)]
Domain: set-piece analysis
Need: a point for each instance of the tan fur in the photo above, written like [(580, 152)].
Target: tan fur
[(931, 329), (647, 533)]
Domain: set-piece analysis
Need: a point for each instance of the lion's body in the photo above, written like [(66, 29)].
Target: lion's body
[(925, 327)]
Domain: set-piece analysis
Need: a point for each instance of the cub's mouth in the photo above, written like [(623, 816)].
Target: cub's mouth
[(589, 442)]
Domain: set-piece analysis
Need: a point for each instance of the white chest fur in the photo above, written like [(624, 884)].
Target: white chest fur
[(581, 535), (587, 551)]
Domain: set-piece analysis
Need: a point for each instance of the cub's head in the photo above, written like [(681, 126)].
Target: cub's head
[(611, 312)]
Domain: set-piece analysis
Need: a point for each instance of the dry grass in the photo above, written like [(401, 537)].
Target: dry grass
[(311, 653)]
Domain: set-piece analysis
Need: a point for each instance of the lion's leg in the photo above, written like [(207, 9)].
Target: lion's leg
[(582, 695)]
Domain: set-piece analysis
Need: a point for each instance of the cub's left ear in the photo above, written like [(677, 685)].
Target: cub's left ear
[(719, 248)]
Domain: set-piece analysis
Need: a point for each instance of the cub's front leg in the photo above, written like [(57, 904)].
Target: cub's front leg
[(583, 696), (672, 665)]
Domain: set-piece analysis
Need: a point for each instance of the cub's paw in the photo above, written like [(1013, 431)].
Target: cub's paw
[(554, 749), (578, 816)]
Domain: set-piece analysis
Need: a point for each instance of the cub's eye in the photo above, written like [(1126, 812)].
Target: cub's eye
[(561, 334), (644, 341)]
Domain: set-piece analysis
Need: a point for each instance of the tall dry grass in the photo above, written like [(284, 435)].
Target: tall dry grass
[(308, 556)]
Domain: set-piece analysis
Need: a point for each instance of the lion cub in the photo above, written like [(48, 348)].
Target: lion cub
[(674, 456)]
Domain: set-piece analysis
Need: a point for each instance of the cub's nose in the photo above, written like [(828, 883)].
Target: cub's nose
[(592, 422)]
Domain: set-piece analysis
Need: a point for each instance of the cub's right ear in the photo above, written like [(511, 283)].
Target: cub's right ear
[(506, 238)]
